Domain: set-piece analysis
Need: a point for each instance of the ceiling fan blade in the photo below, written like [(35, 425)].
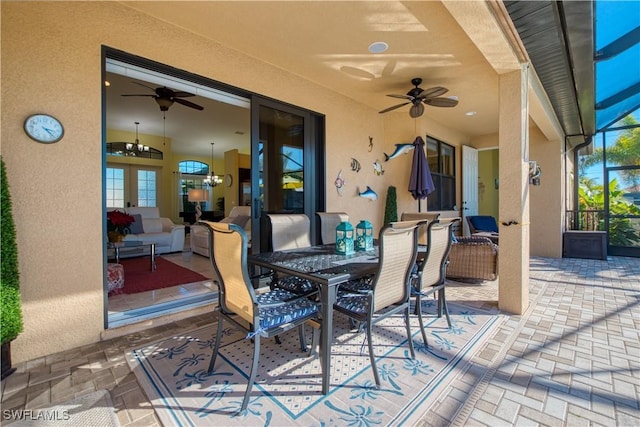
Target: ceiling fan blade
[(432, 92), (182, 94), (188, 104), (143, 85), (441, 102), (400, 96), (393, 108)]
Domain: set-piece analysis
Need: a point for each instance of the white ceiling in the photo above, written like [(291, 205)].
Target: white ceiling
[(326, 42)]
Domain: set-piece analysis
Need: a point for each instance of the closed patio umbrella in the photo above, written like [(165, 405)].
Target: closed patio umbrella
[(420, 181)]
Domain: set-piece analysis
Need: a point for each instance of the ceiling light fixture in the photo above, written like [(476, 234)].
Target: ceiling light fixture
[(212, 179), (378, 47), (137, 148)]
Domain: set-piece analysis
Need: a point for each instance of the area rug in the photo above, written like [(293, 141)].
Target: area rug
[(138, 276), (288, 385)]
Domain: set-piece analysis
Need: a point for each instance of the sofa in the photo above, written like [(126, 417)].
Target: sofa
[(149, 227), (199, 235)]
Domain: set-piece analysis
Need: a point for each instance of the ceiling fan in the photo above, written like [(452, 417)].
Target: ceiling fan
[(165, 97), (417, 96)]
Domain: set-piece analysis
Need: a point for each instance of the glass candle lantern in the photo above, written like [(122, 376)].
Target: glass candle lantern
[(344, 238), (364, 236)]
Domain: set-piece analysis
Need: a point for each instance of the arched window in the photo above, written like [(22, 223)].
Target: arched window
[(193, 167)]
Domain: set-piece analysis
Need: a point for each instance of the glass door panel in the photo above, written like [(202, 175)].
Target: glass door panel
[(623, 211)]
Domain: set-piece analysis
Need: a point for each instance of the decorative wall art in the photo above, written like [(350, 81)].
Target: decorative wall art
[(400, 149), (339, 183), (355, 165), (368, 194), (370, 143), (377, 167)]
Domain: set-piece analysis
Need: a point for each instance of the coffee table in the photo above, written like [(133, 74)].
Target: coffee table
[(116, 246)]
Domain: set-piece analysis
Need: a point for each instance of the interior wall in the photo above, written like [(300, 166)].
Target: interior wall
[(51, 55), (488, 182)]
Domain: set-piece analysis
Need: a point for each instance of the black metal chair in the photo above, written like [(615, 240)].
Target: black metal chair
[(431, 273), (389, 293), (260, 315)]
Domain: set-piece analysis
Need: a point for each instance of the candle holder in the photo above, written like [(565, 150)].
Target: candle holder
[(364, 236), (344, 238)]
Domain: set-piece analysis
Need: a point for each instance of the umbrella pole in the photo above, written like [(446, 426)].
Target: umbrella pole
[(419, 206)]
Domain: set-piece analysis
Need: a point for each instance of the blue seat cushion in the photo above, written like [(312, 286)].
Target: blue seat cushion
[(353, 302), (295, 285), (283, 310), (357, 285), (484, 223)]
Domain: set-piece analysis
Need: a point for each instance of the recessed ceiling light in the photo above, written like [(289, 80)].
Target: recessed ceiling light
[(378, 47), (106, 83), (470, 113)]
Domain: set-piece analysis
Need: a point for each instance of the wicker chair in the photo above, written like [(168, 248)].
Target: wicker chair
[(473, 259)]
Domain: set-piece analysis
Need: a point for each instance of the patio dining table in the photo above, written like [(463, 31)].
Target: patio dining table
[(321, 265)]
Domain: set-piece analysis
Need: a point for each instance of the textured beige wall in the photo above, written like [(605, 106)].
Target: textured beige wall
[(546, 199), (488, 164), (51, 63)]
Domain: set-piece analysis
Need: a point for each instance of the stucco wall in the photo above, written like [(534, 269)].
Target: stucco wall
[(51, 55)]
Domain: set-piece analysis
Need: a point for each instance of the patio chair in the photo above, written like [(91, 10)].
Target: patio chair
[(263, 315), (328, 223), (419, 216), (473, 259), (484, 226), (290, 231), (389, 293), (430, 277)]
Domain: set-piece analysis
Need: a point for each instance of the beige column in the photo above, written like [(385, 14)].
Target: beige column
[(513, 291)]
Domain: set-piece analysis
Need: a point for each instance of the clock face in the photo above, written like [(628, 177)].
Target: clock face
[(228, 180), (43, 128)]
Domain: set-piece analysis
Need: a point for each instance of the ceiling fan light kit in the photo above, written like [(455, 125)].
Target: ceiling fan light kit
[(418, 96)]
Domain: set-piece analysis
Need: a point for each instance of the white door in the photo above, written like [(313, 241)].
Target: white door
[(469, 185), (129, 185)]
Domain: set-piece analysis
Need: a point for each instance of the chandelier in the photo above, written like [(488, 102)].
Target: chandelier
[(136, 149), (212, 179)]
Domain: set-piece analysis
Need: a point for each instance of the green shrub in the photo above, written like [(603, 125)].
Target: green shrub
[(10, 309), (391, 206)]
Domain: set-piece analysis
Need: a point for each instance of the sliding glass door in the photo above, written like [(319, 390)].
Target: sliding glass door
[(287, 165)]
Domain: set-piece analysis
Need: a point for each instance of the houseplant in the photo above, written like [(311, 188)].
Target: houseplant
[(118, 224), (391, 206), (10, 308)]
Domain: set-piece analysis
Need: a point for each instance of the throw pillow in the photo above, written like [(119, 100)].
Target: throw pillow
[(136, 226), (484, 223)]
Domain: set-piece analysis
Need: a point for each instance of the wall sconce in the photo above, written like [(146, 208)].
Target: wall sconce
[(534, 173)]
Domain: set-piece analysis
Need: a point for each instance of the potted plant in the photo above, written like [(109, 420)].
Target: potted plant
[(391, 206), (118, 224), (10, 308)]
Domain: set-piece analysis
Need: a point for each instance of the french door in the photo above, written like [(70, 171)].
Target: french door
[(131, 185), (287, 165)]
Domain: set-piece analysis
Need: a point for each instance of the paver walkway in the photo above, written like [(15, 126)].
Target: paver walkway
[(573, 359)]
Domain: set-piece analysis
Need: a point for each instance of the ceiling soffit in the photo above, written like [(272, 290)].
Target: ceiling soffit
[(558, 39)]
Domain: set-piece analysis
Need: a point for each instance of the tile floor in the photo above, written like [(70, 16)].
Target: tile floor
[(573, 358)]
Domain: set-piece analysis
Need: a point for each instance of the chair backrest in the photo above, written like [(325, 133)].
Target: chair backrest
[(419, 216), (397, 251), (289, 231), (479, 223), (439, 237), (228, 255), (328, 223)]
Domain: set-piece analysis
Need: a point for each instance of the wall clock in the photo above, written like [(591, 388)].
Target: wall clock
[(44, 128), (228, 180)]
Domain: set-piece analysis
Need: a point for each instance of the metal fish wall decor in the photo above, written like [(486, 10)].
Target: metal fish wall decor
[(339, 183), (355, 165), (400, 149), (377, 167), (368, 194)]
